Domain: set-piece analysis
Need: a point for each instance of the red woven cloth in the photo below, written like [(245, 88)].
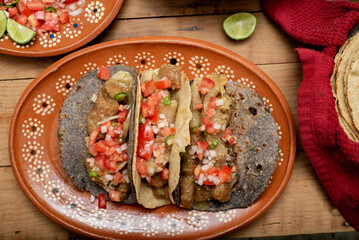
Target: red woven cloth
[(323, 26)]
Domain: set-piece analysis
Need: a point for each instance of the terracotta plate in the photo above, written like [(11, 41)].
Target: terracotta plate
[(95, 17), (34, 148)]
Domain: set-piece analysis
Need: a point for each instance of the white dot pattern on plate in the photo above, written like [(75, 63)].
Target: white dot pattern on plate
[(88, 67), (94, 11), (226, 216), (43, 104), (144, 60), (64, 84), (246, 82), (32, 128), (32, 151), (199, 66), (174, 58), (117, 59), (266, 101), (50, 39), (227, 71)]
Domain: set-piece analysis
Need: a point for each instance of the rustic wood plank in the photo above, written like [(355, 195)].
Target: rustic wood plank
[(267, 45), (303, 208), (160, 8)]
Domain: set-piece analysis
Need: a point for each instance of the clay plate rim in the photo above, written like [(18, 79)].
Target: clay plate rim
[(160, 39), (74, 43)]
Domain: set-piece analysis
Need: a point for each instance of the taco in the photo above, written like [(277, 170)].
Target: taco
[(97, 134), (163, 132), (233, 150)]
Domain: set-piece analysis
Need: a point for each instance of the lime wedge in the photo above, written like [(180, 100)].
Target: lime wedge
[(2, 23), (240, 26), (19, 33)]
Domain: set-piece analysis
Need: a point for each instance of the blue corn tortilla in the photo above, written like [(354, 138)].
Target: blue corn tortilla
[(73, 130)]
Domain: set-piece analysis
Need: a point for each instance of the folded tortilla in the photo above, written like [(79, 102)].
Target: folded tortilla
[(73, 130)]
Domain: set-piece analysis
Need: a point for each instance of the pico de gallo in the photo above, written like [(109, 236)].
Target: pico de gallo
[(157, 130), (42, 15), (208, 166), (108, 126)]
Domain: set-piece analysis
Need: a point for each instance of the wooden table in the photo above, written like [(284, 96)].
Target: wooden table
[(303, 208)]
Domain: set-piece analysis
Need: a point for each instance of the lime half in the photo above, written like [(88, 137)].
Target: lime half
[(19, 33), (2, 23), (240, 26)]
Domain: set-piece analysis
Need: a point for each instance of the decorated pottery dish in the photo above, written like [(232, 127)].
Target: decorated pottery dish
[(258, 123)]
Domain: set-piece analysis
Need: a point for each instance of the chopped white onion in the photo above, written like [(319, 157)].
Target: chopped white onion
[(76, 12), (118, 150), (206, 167), (80, 2), (205, 161), (154, 153), (219, 102), (212, 153), (223, 127), (94, 97), (72, 6), (91, 161), (228, 158), (151, 171), (109, 177), (200, 179), (162, 116), (117, 132), (161, 125), (143, 120), (172, 125), (111, 128), (206, 153), (155, 129), (194, 148), (216, 126), (126, 178), (216, 180), (199, 151), (62, 5), (104, 129), (108, 138), (92, 198), (108, 119), (124, 146)]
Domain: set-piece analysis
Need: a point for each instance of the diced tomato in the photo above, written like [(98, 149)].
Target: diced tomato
[(22, 19), (232, 141), (208, 183), (21, 5), (167, 131), (13, 12), (210, 112), (115, 196), (141, 167), (201, 148), (35, 6), (111, 166), (104, 73), (213, 171), (33, 20), (118, 178), (154, 118), (145, 149), (48, 1), (4, 8), (212, 103), (146, 111), (51, 16), (148, 88), (227, 132), (225, 174), (102, 201), (92, 150), (70, 1), (205, 85), (100, 161), (161, 94), (146, 132), (40, 15), (165, 173), (227, 136), (53, 26), (210, 129), (26, 12), (122, 116), (206, 121), (198, 106), (101, 146), (110, 151), (164, 83), (64, 17)]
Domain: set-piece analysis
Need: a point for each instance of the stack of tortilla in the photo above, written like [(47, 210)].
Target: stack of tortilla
[(345, 86)]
